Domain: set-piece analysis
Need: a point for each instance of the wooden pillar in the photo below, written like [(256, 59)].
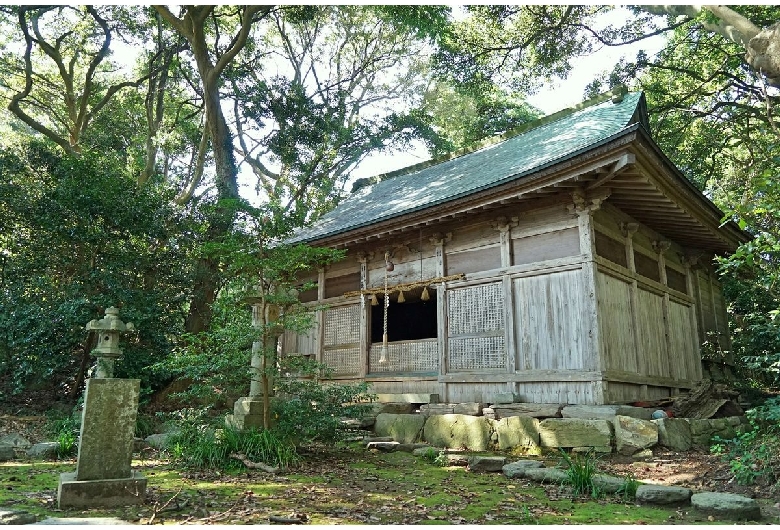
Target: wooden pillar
[(584, 206), (438, 240), (629, 229), (504, 226), (689, 264), (365, 332), (320, 315), (660, 247)]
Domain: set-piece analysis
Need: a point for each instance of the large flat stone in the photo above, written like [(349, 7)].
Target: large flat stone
[(633, 435), (517, 431), (604, 412), (518, 469), (16, 440), (6, 452), (458, 431), (574, 432), (547, 475), (489, 464), (674, 433), (15, 517), (107, 429), (652, 494), (727, 505), (408, 398), (404, 428), (107, 493), (44, 450), (534, 410)]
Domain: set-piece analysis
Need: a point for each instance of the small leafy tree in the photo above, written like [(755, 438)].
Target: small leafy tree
[(264, 274)]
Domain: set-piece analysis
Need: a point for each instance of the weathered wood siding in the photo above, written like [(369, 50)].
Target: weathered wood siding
[(551, 333), (647, 318), (616, 325)]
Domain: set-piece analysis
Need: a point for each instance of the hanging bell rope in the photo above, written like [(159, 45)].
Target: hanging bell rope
[(388, 268)]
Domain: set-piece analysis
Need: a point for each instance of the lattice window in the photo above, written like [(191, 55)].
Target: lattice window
[(342, 325), (476, 309), (477, 353), (343, 361), (476, 328), (417, 356)]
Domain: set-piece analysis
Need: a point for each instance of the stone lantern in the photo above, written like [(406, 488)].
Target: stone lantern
[(108, 329), (104, 476)]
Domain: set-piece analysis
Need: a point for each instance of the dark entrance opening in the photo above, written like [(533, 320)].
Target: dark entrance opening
[(411, 320)]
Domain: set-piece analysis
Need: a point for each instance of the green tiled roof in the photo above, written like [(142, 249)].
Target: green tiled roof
[(552, 140)]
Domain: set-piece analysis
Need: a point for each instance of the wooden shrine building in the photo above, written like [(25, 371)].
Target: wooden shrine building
[(568, 263)]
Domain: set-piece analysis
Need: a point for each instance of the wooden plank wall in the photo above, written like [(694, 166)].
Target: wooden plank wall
[(551, 333), (648, 324)]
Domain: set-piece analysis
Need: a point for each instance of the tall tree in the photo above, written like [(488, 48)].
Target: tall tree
[(197, 24), (333, 87), (61, 95)]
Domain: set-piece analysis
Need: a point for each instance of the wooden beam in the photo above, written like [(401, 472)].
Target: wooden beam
[(528, 376), (622, 163)]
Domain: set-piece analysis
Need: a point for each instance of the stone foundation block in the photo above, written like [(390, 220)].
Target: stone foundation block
[(437, 409), (534, 410), (108, 493), (517, 431), (469, 409), (458, 431), (404, 428), (574, 432), (605, 412), (633, 435), (674, 433), (407, 398), (395, 408)]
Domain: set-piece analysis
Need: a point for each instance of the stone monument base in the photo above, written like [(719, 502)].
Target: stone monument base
[(108, 493), (247, 413)]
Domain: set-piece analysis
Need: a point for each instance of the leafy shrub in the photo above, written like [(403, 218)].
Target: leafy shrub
[(754, 454), (309, 410)]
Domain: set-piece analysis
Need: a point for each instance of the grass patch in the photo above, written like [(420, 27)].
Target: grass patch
[(350, 486)]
